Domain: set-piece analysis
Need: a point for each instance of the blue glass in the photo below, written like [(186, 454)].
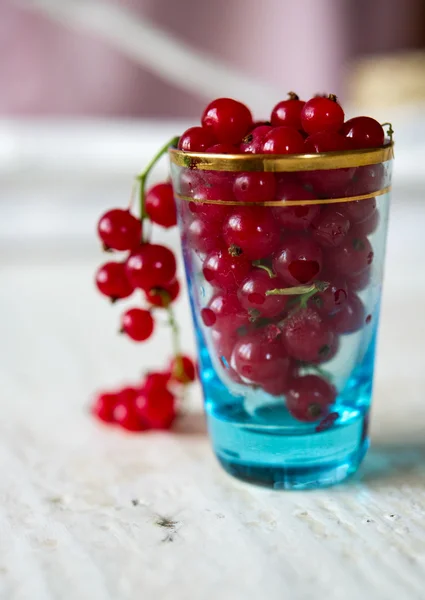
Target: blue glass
[(254, 435)]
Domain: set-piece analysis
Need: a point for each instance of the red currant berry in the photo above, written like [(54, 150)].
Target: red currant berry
[(309, 398), (332, 299), (156, 408), (156, 381), (283, 140), (204, 235), (228, 120), (363, 132), (127, 416), (227, 310), (352, 256), (368, 226), (223, 149), (160, 205), (322, 114), (215, 189), (163, 296), (367, 180), (112, 281), (325, 141), (196, 139), (296, 218), (258, 359), (252, 142), (280, 385), (182, 369), (360, 281), (351, 316), (331, 227), (189, 181), (330, 183), (306, 336), (151, 266), (288, 112), (252, 295), (119, 229), (137, 324), (253, 230), (208, 317), (299, 260), (254, 187), (225, 271), (104, 406), (360, 210)]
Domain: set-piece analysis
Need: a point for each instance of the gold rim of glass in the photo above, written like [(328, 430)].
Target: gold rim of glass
[(282, 163)]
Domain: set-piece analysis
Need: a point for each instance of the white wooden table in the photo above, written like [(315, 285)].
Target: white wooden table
[(91, 513)]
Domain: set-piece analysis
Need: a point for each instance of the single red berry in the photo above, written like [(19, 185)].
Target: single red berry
[(204, 235), (112, 281), (322, 114), (299, 260), (151, 266), (363, 132), (351, 316), (227, 310), (119, 229), (326, 141), (160, 205), (156, 408), (223, 149), (360, 210), (368, 226), (332, 299), (283, 140), (156, 381), (163, 296), (127, 416), (367, 180), (288, 112), (309, 398), (138, 324), (196, 139), (258, 359), (253, 295), (351, 257), (252, 142), (329, 183), (254, 187), (360, 281), (253, 230), (296, 218), (330, 228), (182, 369), (104, 406), (225, 271), (212, 189), (208, 317), (228, 120), (307, 337)]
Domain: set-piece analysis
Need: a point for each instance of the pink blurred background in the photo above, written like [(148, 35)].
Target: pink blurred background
[(49, 69)]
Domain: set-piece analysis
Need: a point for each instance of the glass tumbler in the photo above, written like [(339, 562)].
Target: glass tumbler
[(284, 260)]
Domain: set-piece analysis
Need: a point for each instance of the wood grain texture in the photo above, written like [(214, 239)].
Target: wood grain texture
[(85, 511)]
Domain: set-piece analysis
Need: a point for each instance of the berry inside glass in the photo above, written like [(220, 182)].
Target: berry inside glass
[(284, 258)]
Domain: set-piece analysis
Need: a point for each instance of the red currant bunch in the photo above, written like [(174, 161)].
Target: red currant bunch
[(150, 268)]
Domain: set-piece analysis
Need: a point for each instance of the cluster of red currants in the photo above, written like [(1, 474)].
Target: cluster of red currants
[(150, 268), (284, 278)]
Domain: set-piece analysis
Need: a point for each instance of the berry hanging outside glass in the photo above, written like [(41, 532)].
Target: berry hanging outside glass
[(283, 227)]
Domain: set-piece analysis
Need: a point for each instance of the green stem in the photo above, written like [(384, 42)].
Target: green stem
[(267, 269), (142, 177), (172, 321), (390, 130), (300, 290)]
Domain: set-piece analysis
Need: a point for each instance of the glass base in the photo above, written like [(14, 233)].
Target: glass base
[(284, 457), (295, 478)]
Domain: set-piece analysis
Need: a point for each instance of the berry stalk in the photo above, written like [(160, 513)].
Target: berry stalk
[(142, 177)]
